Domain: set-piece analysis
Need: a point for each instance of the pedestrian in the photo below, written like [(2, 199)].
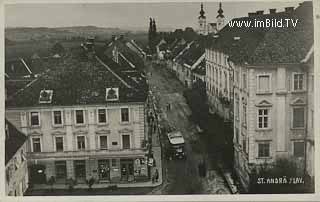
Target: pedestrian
[(154, 127), (156, 175)]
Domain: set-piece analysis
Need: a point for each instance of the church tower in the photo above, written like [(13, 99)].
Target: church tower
[(220, 18), (202, 22)]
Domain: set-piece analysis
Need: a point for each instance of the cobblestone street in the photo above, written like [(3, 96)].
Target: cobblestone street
[(182, 177)]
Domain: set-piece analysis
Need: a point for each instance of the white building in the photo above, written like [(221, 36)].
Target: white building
[(270, 90), (84, 120)]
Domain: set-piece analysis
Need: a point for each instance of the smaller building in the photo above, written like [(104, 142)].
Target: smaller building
[(16, 181)]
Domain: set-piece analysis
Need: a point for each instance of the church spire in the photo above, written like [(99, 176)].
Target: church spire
[(220, 11), (202, 12)]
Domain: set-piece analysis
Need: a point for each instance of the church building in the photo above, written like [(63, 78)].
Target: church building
[(213, 27)]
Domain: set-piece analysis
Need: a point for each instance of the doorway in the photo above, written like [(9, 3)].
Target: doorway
[(37, 174), (80, 170), (126, 169), (61, 171), (104, 169)]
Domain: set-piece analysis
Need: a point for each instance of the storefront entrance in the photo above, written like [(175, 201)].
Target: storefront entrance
[(104, 170), (80, 170), (37, 174), (61, 171), (126, 169)]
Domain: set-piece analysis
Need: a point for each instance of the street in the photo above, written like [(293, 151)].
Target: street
[(182, 176)]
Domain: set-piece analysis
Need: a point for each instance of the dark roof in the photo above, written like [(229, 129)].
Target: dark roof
[(14, 140), (268, 45), (200, 69), (191, 55), (129, 54), (287, 45), (76, 81), (18, 68)]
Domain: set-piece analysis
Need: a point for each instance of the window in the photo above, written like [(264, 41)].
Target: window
[(81, 142), (237, 76), (237, 109), (103, 142), (125, 141), (225, 81), (298, 117), (244, 145), (79, 117), (59, 143), (35, 119), (264, 83), (36, 145), (113, 162), (57, 118), (124, 114), (263, 149), (244, 118), (237, 135), (244, 81), (102, 116), (297, 81), (298, 149), (263, 118)]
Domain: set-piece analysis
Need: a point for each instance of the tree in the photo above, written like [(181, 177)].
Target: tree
[(58, 49)]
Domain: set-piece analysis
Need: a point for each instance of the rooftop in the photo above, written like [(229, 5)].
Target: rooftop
[(76, 81), (14, 140), (270, 45)]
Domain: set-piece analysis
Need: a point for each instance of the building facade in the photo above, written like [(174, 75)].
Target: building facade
[(16, 178), (272, 99), (97, 130)]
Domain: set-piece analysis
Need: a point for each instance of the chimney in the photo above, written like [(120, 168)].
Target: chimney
[(289, 9), (259, 12), (272, 10), (251, 14)]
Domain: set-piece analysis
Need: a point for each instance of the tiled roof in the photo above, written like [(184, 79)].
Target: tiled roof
[(196, 50), (26, 68), (76, 82), (268, 45), (200, 69), (14, 140), (130, 55), (287, 45)]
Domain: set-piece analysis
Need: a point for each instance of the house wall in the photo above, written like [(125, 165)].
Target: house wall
[(17, 180), (219, 82), (114, 129), (310, 131), (280, 100)]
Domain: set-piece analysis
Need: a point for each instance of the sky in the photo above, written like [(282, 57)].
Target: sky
[(129, 15)]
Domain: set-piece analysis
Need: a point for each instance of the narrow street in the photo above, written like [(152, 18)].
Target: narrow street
[(182, 176)]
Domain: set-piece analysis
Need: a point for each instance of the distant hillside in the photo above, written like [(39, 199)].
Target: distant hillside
[(60, 33)]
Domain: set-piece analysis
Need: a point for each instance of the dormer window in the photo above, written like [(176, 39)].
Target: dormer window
[(45, 96), (112, 94)]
